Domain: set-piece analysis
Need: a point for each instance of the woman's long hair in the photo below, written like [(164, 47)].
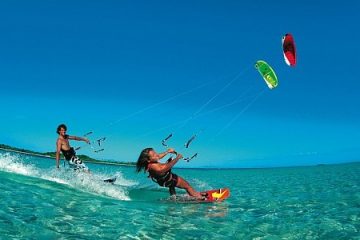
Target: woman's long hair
[(143, 159)]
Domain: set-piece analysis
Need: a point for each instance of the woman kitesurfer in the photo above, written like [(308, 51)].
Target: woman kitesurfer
[(149, 160)]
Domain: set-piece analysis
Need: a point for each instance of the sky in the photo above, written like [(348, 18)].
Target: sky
[(136, 71)]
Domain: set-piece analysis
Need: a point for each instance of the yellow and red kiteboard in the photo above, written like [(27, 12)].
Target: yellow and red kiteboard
[(216, 195), (210, 196)]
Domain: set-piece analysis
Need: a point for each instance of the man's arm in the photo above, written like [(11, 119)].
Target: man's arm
[(79, 139)]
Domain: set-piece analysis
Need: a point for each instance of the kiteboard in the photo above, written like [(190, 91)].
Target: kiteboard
[(210, 196), (110, 180), (267, 73), (289, 49)]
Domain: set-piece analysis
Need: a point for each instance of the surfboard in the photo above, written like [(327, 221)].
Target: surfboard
[(210, 196), (110, 180)]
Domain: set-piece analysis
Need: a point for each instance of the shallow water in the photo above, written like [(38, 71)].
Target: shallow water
[(39, 202)]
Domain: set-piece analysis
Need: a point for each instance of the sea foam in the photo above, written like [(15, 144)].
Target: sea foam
[(92, 183)]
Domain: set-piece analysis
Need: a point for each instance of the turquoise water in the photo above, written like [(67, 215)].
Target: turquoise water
[(40, 202)]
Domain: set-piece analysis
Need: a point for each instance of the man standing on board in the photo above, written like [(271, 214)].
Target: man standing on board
[(63, 145)]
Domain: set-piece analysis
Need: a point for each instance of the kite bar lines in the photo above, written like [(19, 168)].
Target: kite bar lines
[(91, 143), (163, 142), (186, 145)]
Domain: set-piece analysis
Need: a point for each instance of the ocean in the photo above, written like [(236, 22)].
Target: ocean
[(41, 202)]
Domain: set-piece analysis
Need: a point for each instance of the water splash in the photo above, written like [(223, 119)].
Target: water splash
[(92, 183)]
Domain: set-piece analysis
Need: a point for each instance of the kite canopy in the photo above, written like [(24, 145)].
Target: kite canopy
[(267, 73), (289, 49)]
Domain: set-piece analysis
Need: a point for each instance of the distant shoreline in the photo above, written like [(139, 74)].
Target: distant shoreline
[(88, 160), (133, 164)]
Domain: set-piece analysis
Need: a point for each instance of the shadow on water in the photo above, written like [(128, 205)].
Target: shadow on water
[(147, 194), (160, 197)]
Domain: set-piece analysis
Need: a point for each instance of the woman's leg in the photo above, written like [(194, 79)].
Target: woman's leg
[(172, 191), (182, 183)]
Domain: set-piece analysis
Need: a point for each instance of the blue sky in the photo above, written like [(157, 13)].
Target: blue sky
[(134, 71)]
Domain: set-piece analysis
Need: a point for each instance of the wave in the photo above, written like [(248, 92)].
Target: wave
[(12, 163), (92, 183)]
